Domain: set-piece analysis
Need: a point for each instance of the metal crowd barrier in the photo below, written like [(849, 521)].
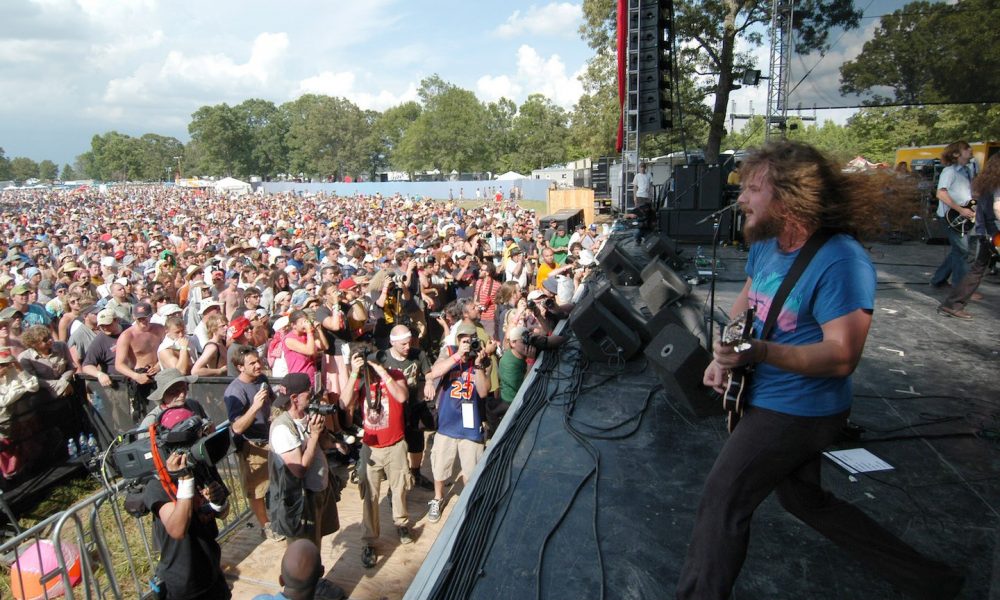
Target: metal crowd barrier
[(116, 551)]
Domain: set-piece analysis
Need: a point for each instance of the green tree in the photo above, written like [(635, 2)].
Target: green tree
[(47, 170), (4, 166), (449, 134), (156, 156), (68, 174), (225, 139), (324, 134), (115, 157), (388, 130), (500, 143), (942, 71), (539, 134), (267, 128), (86, 166), (23, 169)]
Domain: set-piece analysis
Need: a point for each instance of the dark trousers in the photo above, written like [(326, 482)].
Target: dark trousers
[(963, 289), (771, 451)]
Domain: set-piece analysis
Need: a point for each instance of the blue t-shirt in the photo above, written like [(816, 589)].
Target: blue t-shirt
[(458, 388), (839, 280), (238, 398)]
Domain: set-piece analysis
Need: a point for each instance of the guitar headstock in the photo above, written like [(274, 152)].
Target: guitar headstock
[(739, 331)]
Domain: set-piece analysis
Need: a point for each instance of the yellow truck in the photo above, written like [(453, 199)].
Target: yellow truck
[(922, 158)]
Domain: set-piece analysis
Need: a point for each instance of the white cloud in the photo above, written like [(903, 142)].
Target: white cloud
[(342, 85), (535, 74), (555, 19), (218, 74)]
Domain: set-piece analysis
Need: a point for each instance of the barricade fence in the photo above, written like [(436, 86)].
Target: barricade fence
[(95, 549)]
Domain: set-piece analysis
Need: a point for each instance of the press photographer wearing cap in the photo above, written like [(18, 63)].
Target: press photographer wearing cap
[(522, 346), (464, 374), (184, 510), (301, 503), (382, 394)]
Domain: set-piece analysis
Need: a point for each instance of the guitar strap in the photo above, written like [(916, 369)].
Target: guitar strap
[(806, 254)]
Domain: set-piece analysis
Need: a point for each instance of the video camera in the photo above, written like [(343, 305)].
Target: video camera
[(193, 437)]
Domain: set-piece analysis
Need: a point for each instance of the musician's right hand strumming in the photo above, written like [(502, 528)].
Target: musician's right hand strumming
[(715, 377)]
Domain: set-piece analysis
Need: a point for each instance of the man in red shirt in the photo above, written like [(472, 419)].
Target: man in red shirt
[(383, 455)]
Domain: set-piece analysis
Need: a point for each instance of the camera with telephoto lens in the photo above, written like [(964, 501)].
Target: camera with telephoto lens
[(532, 339)]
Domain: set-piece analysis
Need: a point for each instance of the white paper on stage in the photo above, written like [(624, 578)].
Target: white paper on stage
[(858, 460)]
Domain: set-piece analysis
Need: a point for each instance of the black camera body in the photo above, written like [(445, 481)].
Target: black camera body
[(535, 340), (475, 345), (317, 408)]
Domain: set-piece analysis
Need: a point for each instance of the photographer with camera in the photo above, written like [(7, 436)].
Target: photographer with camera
[(301, 501), (464, 374), (382, 394), (248, 404), (185, 504), (410, 360), (392, 300), (523, 346)]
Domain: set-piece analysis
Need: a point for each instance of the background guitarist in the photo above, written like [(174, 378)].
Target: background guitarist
[(987, 190), (954, 192), (800, 395)]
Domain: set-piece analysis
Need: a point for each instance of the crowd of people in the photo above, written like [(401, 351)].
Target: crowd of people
[(381, 317)]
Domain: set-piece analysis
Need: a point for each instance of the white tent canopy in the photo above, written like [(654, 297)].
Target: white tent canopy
[(232, 185), (510, 176)]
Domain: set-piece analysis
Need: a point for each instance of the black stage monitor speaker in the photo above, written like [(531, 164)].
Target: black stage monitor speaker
[(603, 336), (658, 293), (679, 361), (665, 249), (710, 197), (619, 268)]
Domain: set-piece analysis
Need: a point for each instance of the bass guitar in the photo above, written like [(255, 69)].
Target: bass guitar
[(737, 335)]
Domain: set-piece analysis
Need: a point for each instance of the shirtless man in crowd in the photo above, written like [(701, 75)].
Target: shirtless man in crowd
[(137, 358)]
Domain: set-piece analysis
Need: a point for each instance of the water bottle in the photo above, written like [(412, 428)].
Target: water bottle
[(82, 444), (92, 444), (71, 448)]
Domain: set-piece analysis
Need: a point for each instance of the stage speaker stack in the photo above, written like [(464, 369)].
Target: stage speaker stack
[(603, 336), (665, 249), (679, 361), (618, 267)]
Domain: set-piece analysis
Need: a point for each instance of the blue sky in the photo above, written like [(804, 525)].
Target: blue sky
[(73, 68)]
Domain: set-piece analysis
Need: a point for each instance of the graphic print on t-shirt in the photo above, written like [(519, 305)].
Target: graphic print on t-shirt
[(761, 297)]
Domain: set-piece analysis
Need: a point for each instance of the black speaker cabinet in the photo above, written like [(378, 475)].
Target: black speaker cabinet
[(710, 197), (621, 307), (685, 194), (603, 336), (618, 267), (680, 361), (665, 249)]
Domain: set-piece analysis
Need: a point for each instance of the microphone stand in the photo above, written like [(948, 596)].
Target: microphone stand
[(716, 218)]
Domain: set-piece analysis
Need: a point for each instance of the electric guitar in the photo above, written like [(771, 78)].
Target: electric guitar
[(737, 334), (959, 223)]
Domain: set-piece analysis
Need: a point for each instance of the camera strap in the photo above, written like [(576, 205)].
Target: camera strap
[(161, 468)]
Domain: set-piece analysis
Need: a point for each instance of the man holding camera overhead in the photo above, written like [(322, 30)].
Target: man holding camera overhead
[(382, 393), (301, 502), (464, 373)]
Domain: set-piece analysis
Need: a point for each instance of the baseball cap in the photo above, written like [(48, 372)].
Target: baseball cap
[(291, 384), (346, 284), (237, 327), (106, 316), (535, 295), (19, 289), (207, 305), (465, 329), (142, 311)]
